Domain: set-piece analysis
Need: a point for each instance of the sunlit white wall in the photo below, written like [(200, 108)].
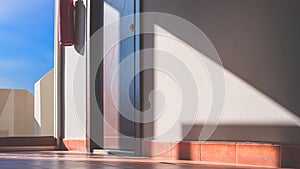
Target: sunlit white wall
[(74, 92)]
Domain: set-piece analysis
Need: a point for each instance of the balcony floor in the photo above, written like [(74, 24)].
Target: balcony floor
[(64, 160)]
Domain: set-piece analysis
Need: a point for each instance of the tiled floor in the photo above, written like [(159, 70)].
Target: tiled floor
[(64, 160)]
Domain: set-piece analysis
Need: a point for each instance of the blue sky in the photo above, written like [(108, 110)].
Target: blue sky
[(26, 42)]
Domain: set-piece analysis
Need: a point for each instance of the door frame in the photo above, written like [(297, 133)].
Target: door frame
[(95, 136)]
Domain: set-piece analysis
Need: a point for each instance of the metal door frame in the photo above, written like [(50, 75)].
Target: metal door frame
[(95, 22)]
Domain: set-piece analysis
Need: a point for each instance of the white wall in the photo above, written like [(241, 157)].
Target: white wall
[(74, 94), (74, 90), (257, 43)]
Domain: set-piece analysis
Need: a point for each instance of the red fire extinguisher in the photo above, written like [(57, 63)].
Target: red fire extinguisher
[(66, 22)]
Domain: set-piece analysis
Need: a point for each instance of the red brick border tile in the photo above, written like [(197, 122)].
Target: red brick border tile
[(161, 149), (256, 154), (267, 155), (218, 152), (186, 151), (75, 145)]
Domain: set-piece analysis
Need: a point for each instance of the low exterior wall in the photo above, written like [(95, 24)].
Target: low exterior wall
[(44, 105), (16, 113)]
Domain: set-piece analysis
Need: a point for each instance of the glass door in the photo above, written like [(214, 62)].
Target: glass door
[(118, 69)]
